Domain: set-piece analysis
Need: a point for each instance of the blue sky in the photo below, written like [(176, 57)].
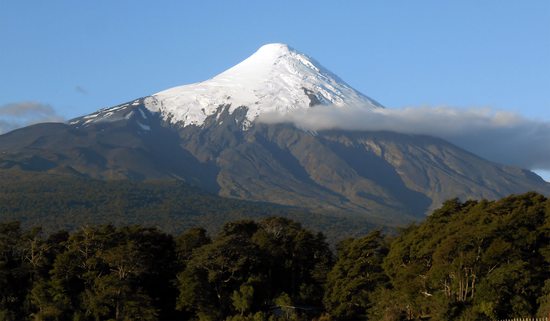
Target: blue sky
[(78, 56)]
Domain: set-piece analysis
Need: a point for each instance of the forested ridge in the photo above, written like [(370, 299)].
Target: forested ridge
[(67, 202), (473, 260)]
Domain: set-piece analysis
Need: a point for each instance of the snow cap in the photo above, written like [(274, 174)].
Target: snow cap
[(276, 78)]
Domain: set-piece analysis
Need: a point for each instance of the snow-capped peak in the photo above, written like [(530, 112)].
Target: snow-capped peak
[(276, 78)]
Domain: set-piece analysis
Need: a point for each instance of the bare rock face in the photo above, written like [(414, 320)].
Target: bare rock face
[(381, 174)]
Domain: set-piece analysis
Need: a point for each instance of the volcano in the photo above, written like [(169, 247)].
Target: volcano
[(207, 134)]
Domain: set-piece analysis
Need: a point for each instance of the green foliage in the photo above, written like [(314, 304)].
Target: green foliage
[(474, 260), (248, 265), (14, 272), (356, 275), (108, 273), (67, 202), (71, 202), (243, 298), (189, 241), (544, 300)]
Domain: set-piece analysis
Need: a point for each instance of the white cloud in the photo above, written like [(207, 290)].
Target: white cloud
[(15, 115), (499, 136), (545, 174)]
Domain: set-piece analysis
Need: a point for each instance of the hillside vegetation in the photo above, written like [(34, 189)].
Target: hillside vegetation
[(68, 202)]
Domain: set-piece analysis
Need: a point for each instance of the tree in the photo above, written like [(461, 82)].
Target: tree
[(187, 242), (248, 265), (215, 271), (110, 273), (357, 274), (472, 260), (243, 298), (298, 260), (14, 274), (114, 292)]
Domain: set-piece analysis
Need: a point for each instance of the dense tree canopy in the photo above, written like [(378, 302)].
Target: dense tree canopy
[(249, 265), (356, 275), (473, 260)]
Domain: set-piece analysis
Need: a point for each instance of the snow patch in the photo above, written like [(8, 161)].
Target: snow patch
[(142, 113), (144, 127), (129, 115)]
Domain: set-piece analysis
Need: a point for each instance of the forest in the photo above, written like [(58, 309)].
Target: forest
[(68, 202), (469, 260)]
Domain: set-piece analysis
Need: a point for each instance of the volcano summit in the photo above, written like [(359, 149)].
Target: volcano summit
[(276, 78)]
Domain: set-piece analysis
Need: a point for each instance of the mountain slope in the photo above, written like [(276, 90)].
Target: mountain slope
[(378, 173), (205, 134), (388, 177)]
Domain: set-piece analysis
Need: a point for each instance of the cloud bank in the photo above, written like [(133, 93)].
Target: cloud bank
[(499, 136), (15, 115)]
